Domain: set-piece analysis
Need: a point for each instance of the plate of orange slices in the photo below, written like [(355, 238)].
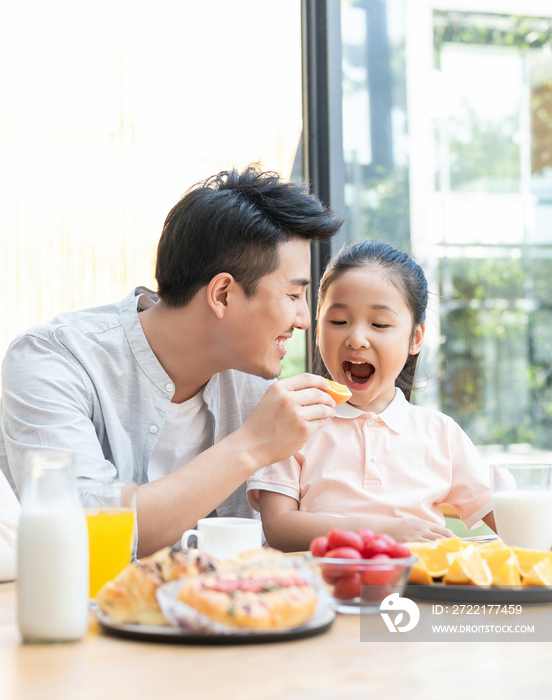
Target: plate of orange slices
[(488, 571)]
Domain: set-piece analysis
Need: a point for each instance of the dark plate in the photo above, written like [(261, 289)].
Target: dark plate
[(473, 594), (320, 622)]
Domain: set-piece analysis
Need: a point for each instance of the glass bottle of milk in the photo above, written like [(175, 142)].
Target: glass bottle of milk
[(52, 552)]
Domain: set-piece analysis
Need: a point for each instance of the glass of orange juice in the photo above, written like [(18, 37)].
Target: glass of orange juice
[(111, 516)]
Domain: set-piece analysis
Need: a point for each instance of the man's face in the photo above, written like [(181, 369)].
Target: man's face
[(262, 324)]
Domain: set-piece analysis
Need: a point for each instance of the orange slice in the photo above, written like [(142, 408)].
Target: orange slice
[(338, 392), (419, 574), (456, 575), (491, 546), (540, 574), (467, 566), (433, 555), (527, 558), (502, 562), (506, 575)]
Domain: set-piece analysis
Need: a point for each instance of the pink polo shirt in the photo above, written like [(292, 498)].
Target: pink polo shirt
[(403, 462)]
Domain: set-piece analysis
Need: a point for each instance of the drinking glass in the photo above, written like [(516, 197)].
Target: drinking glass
[(111, 515), (522, 504)]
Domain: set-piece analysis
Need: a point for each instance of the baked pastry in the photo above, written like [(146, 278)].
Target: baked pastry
[(255, 598), (176, 563), (264, 555), (131, 596)]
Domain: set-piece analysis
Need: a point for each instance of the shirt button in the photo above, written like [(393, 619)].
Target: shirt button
[(373, 458), (153, 428), (371, 421), (169, 388)]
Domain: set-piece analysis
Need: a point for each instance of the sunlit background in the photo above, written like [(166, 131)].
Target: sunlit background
[(108, 113)]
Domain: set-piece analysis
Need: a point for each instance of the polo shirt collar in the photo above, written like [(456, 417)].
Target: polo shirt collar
[(394, 416)]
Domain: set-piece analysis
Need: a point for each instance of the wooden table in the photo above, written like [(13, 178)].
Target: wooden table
[(335, 665)]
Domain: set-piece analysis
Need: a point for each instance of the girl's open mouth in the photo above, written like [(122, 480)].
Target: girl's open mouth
[(358, 373)]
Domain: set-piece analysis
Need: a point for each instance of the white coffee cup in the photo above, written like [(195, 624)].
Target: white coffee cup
[(225, 537)]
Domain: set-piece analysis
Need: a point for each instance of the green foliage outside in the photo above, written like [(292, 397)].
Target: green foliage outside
[(483, 155), (491, 30), (498, 347), (496, 311), (294, 361)]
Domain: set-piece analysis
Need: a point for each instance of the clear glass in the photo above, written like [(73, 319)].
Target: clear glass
[(491, 207), (522, 504), (49, 480), (52, 577), (358, 586), (374, 112), (111, 517)]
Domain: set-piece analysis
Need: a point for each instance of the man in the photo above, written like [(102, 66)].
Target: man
[(172, 391)]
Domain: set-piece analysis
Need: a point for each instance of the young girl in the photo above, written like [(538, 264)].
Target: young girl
[(380, 463)]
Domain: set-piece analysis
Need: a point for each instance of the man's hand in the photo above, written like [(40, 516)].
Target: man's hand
[(291, 412)]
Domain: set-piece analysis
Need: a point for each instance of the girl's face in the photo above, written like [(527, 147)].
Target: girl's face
[(365, 335)]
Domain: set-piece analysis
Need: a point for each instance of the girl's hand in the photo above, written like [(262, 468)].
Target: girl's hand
[(414, 530)]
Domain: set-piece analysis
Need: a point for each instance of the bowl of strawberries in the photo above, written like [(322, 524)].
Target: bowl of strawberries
[(361, 568)]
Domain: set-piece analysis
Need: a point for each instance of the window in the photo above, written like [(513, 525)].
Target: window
[(447, 152), (108, 116)]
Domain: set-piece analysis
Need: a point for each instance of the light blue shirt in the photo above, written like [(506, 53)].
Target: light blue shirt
[(89, 382)]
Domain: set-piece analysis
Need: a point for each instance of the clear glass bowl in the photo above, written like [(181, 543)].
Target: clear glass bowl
[(358, 586)]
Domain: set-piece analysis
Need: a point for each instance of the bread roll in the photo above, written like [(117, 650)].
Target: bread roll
[(180, 564), (264, 555), (130, 597)]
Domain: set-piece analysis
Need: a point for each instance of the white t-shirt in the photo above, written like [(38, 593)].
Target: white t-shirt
[(187, 431)]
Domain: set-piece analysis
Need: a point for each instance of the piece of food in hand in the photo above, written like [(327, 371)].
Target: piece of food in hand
[(259, 598), (339, 392), (131, 596)]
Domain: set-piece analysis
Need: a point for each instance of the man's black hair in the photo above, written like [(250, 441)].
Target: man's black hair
[(233, 222)]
